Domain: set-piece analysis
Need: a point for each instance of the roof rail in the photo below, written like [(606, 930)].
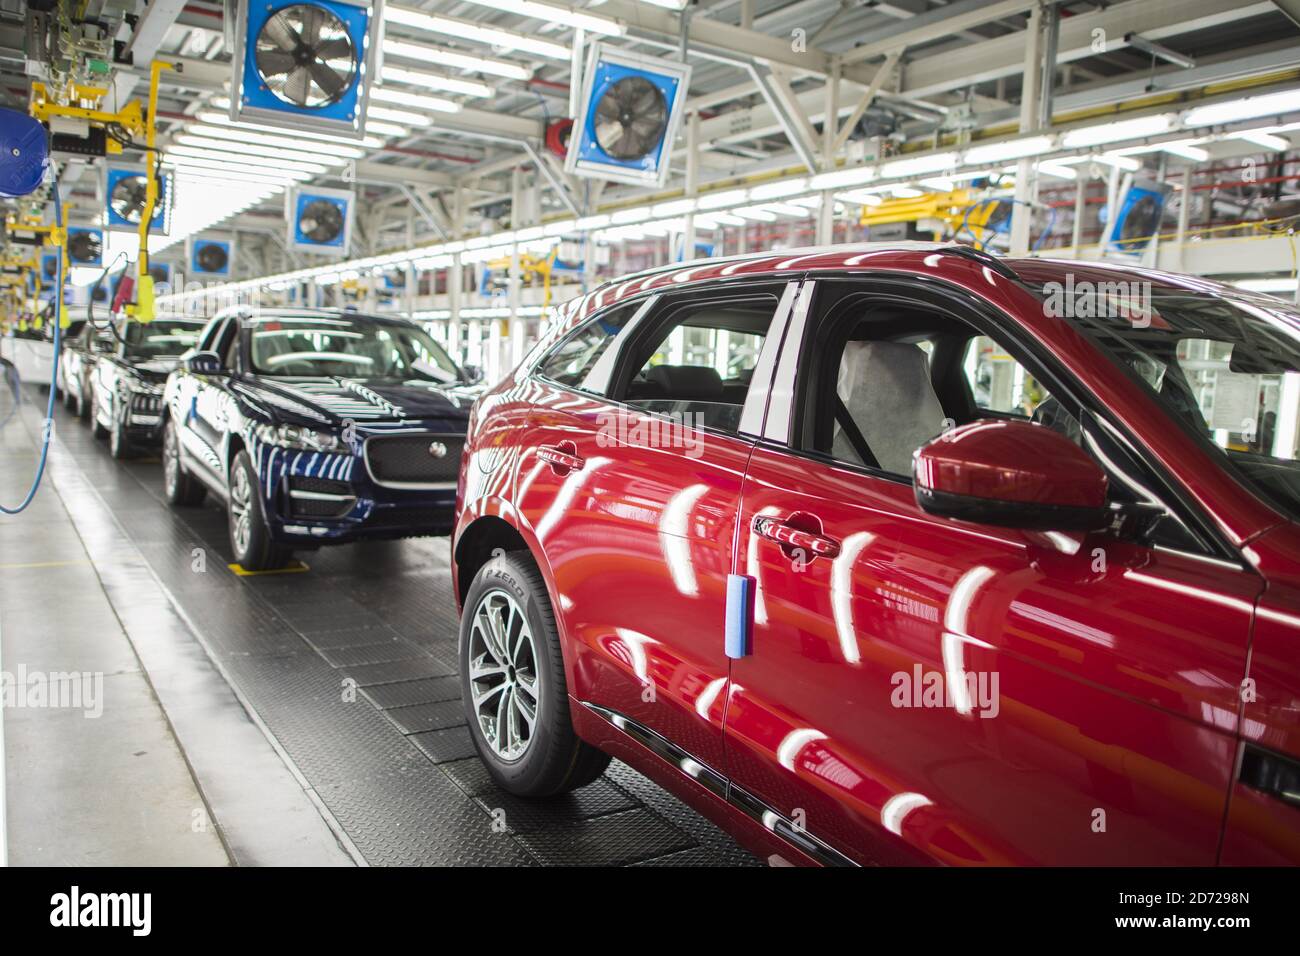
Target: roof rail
[(986, 259)]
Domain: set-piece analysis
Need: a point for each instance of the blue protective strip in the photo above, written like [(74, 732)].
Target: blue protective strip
[(740, 615)]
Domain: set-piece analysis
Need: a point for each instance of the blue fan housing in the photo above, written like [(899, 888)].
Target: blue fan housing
[(115, 221), (24, 154), (304, 200), (196, 250), (1134, 197), (606, 75), (355, 19), (73, 232)]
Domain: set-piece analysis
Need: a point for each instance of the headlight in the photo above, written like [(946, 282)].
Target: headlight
[(300, 437)]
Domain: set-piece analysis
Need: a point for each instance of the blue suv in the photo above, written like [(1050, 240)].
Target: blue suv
[(316, 427)]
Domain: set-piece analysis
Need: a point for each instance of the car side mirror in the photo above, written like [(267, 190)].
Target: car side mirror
[(1011, 474), (473, 374), (203, 363)]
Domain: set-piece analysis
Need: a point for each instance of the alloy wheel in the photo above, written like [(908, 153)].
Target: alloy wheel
[(503, 674), (241, 510), (171, 461)]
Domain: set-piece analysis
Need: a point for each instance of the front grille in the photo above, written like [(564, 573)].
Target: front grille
[(303, 502), (146, 403), (405, 459), (322, 486)]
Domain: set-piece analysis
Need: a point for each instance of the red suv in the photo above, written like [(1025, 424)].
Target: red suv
[(901, 554)]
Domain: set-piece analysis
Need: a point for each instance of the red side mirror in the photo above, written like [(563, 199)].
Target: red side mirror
[(1012, 474)]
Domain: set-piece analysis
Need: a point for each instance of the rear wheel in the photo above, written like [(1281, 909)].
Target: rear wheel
[(512, 683), (250, 538), (179, 486)]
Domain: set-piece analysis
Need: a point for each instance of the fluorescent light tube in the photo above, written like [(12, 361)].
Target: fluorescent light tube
[(492, 36), (397, 116), (918, 165), (778, 190), (1269, 104), (840, 178), (435, 81), (1261, 138), (450, 58), (719, 200), (555, 14), (1114, 132), (436, 104), (1001, 152)]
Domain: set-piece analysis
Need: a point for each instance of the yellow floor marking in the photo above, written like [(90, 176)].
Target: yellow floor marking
[(42, 564), (293, 568)]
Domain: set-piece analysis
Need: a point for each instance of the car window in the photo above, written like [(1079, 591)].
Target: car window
[(225, 340), (209, 337), (574, 356), (697, 358), (888, 375)]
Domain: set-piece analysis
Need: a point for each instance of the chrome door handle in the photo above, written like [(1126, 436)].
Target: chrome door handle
[(810, 542), (562, 458)]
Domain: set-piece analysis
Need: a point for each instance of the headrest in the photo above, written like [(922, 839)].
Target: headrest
[(697, 382)]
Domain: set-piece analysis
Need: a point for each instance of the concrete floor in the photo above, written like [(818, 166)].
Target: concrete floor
[(110, 789)]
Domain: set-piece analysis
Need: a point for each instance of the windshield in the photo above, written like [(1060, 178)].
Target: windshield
[(161, 337), (314, 346), (1226, 365)]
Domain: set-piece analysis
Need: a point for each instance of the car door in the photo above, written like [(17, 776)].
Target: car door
[(201, 405), (925, 690), (630, 478)]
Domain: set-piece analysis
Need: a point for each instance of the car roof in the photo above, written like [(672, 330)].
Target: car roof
[(902, 256), (275, 312)]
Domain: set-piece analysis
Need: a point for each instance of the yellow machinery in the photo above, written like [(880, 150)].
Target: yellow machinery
[(956, 210), (81, 103)]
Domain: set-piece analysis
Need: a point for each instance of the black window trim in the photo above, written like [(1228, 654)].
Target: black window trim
[(706, 287), (982, 315)]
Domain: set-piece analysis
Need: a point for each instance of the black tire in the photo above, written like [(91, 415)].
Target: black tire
[(96, 429), (119, 439), (69, 400), (253, 551), (83, 401), (179, 486), (554, 760)]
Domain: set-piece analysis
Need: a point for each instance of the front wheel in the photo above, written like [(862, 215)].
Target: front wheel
[(512, 683), (96, 429), (119, 441), (179, 486), (250, 538)]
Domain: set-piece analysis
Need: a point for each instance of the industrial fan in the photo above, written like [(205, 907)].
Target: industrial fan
[(631, 112), (320, 220), (306, 65), (85, 246), (1141, 207), (126, 191), (211, 257)]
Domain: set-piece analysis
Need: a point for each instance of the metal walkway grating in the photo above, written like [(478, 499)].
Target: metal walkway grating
[(391, 760)]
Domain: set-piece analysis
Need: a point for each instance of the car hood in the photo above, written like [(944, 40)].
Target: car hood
[(154, 370), (336, 400)]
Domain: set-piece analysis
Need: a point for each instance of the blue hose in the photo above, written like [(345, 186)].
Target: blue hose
[(54, 373)]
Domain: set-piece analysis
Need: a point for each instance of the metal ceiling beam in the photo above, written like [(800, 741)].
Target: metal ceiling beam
[(936, 24), (1004, 56)]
